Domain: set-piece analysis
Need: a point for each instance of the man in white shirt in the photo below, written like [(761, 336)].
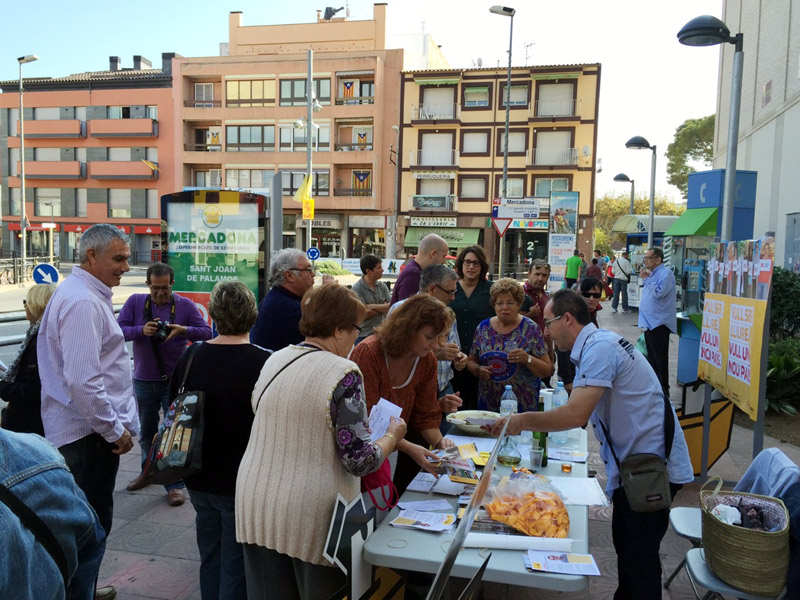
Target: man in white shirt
[(622, 276)]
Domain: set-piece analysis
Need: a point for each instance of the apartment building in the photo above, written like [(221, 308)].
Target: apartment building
[(242, 119), (88, 140), (452, 153)]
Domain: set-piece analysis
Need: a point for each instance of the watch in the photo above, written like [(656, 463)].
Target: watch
[(530, 359)]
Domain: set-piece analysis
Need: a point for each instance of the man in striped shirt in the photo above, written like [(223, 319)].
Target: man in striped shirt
[(88, 407)]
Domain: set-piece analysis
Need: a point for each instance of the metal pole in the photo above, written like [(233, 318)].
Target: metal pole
[(632, 195), (504, 188), (52, 232), (309, 136), (23, 218), (758, 429), (733, 141), (391, 243), (651, 225)]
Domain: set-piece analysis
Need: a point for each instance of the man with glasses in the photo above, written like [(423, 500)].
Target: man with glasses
[(278, 324), (536, 298), (432, 251), (657, 314), (373, 293), (616, 389), (154, 358)]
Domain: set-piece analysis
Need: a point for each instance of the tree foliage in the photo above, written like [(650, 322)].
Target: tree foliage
[(609, 208), (694, 140)]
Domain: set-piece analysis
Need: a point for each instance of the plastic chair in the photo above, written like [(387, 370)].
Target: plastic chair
[(699, 572), (686, 522)]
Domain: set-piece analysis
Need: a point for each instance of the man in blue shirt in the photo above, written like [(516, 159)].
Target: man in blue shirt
[(657, 314), (614, 385)]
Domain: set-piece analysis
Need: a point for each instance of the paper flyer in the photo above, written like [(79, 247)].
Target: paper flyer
[(426, 521), (560, 562), (381, 416)]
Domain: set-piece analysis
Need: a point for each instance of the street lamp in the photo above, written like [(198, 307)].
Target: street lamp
[(23, 218), (639, 143), (710, 31), (624, 178), (391, 241), (52, 226), (506, 12)]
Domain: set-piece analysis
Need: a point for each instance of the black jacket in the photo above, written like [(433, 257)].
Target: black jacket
[(24, 396)]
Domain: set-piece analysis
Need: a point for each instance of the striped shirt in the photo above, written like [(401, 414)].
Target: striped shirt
[(84, 366)]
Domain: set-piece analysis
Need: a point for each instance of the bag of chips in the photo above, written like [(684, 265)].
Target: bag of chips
[(530, 505)]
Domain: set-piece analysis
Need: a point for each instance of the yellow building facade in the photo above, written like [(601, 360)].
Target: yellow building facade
[(452, 140)]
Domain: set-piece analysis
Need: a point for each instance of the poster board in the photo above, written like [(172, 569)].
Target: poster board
[(563, 230)]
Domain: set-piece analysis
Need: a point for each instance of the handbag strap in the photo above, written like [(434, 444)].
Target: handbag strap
[(261, 395), (669, 433), (192, 352), (42, 533)]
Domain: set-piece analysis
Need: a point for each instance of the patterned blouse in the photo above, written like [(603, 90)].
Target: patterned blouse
[(491, 348)]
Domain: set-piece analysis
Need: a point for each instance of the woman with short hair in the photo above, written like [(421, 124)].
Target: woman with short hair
[(226, 368), (310, 443)]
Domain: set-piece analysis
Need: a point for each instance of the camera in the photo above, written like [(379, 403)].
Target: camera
[(162, 331)]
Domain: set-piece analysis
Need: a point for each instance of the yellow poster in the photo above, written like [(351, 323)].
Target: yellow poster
[(714, 342), (745, 335), (308, 209)]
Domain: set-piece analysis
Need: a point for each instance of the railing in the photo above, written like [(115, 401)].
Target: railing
[(202, 103), (359, 192), (435, 112), (434, 158), (11, 268), (353, 147), (559, 157), (202, 148), (555, 108), (355, 100)]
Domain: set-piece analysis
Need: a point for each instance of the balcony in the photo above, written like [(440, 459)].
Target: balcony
[(434, 158), (121, 170), (204, 147), (435, 112), (353, 192), (354, 100), (561, 157), (353, 147), (555, 110), (69, 128), (435, 203), (202, 103), (53, 169), (123, 128)]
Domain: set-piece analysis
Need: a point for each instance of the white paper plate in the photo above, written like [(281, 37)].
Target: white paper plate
[(461, 420)]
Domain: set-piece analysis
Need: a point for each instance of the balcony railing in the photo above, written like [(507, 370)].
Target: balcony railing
[(435, 112), (121, 170), (556, 157), (122, 128), (357, 192), (552, 109), (353, 147), (53, 128), (355, 100), (202, 148), (36, 169), (434, 158), (427, 202), (202, 103)]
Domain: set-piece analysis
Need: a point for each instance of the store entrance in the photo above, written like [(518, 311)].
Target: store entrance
[(523, 246)]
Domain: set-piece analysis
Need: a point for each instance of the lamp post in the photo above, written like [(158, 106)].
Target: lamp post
[(506, 12), (312, 106), (391, 243), (625, 178), (23, 217), (639, 143), (710, 31), (52, 226)]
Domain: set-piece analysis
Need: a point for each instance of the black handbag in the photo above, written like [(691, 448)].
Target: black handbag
[(177, 449)]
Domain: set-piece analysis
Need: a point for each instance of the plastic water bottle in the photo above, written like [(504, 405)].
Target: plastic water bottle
[(560, 398), (508, 402)]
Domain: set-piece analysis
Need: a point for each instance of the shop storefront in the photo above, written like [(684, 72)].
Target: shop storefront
[(326, 234), (367, 235), (526, 241), (37, 239), (445, 227)]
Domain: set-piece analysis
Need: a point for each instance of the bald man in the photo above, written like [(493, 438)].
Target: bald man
[(432, 251)]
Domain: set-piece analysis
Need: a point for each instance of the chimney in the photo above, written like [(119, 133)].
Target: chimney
[(319, 16), (166, 62), (113, 63), (140, 62)]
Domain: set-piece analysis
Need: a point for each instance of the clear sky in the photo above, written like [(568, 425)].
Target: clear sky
[(649, 83)]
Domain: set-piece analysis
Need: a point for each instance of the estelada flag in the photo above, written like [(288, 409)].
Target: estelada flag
[(304, 191)]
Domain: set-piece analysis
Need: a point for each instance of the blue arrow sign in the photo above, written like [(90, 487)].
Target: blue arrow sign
[(45, 273), (312, 253)]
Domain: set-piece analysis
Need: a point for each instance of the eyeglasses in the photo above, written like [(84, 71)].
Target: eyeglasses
[(448, 292), (307, 270), (592, 294), (472, 263), (548, 321), (160, 288), (24, 302), (358, 329)]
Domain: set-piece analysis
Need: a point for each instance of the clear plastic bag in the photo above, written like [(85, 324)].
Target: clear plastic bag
[(529, 504)]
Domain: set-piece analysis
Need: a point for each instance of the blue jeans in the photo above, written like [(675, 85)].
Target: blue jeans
[(221, 556), (151, 396), (620, 288)]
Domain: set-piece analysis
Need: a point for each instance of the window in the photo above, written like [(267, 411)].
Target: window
[(438, 103), (516, 187), (13, 117), (293, 91), (518, 95), (554, 148), (434, 187), (253, 92), (437, 149), (47, 200), (475, 95), (47, 154), (80, 202), (152, 204), (80, 113), (250, 138), (50, 113), (208, 179), (247, 178), (517, 142), (473, 188), (13, 161), (368, 89), (555, 100), (14, 202), (203, 95), (119, 154), (293, 139), (151, 112), (475, 142), (119, 112), (543, 186), (80, 154), (151, 154), (292, 181), (119, 204), (355, 91)]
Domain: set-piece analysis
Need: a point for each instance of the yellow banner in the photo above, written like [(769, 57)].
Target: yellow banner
[(714, 342), (308, 209), (743, 366)]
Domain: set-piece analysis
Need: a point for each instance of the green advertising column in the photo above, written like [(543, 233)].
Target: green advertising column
[(211, 236)]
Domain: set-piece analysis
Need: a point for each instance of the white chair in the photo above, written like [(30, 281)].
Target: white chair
[(686, 522), (700, 573)]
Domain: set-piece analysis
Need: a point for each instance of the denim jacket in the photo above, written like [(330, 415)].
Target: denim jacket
[(34, 471)]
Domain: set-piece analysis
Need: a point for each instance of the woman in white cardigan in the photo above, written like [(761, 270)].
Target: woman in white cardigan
[(309, 442)]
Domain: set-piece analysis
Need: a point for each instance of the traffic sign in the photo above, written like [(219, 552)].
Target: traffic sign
[(501, 225), (45, 273), (312, 253)]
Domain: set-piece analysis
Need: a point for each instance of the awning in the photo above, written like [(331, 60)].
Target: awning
[(476, 89), (695, 221), (438, 81), (639, 223), (352, 73), (456, 237)]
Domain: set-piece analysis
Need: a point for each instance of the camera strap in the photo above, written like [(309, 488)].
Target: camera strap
[(148, 313)]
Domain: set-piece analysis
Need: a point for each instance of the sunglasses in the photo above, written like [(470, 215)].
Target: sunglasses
[(592, 294)]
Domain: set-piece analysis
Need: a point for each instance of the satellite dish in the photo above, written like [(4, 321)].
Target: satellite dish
[(480, 62)]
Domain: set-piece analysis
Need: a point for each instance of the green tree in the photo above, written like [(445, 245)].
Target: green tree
[(609, 208), (694, 140)]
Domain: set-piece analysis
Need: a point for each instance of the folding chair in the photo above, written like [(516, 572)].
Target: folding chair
[(686, 522), (699, 572)]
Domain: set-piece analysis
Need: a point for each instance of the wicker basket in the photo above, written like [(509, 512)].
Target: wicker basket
[(753, 561)]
